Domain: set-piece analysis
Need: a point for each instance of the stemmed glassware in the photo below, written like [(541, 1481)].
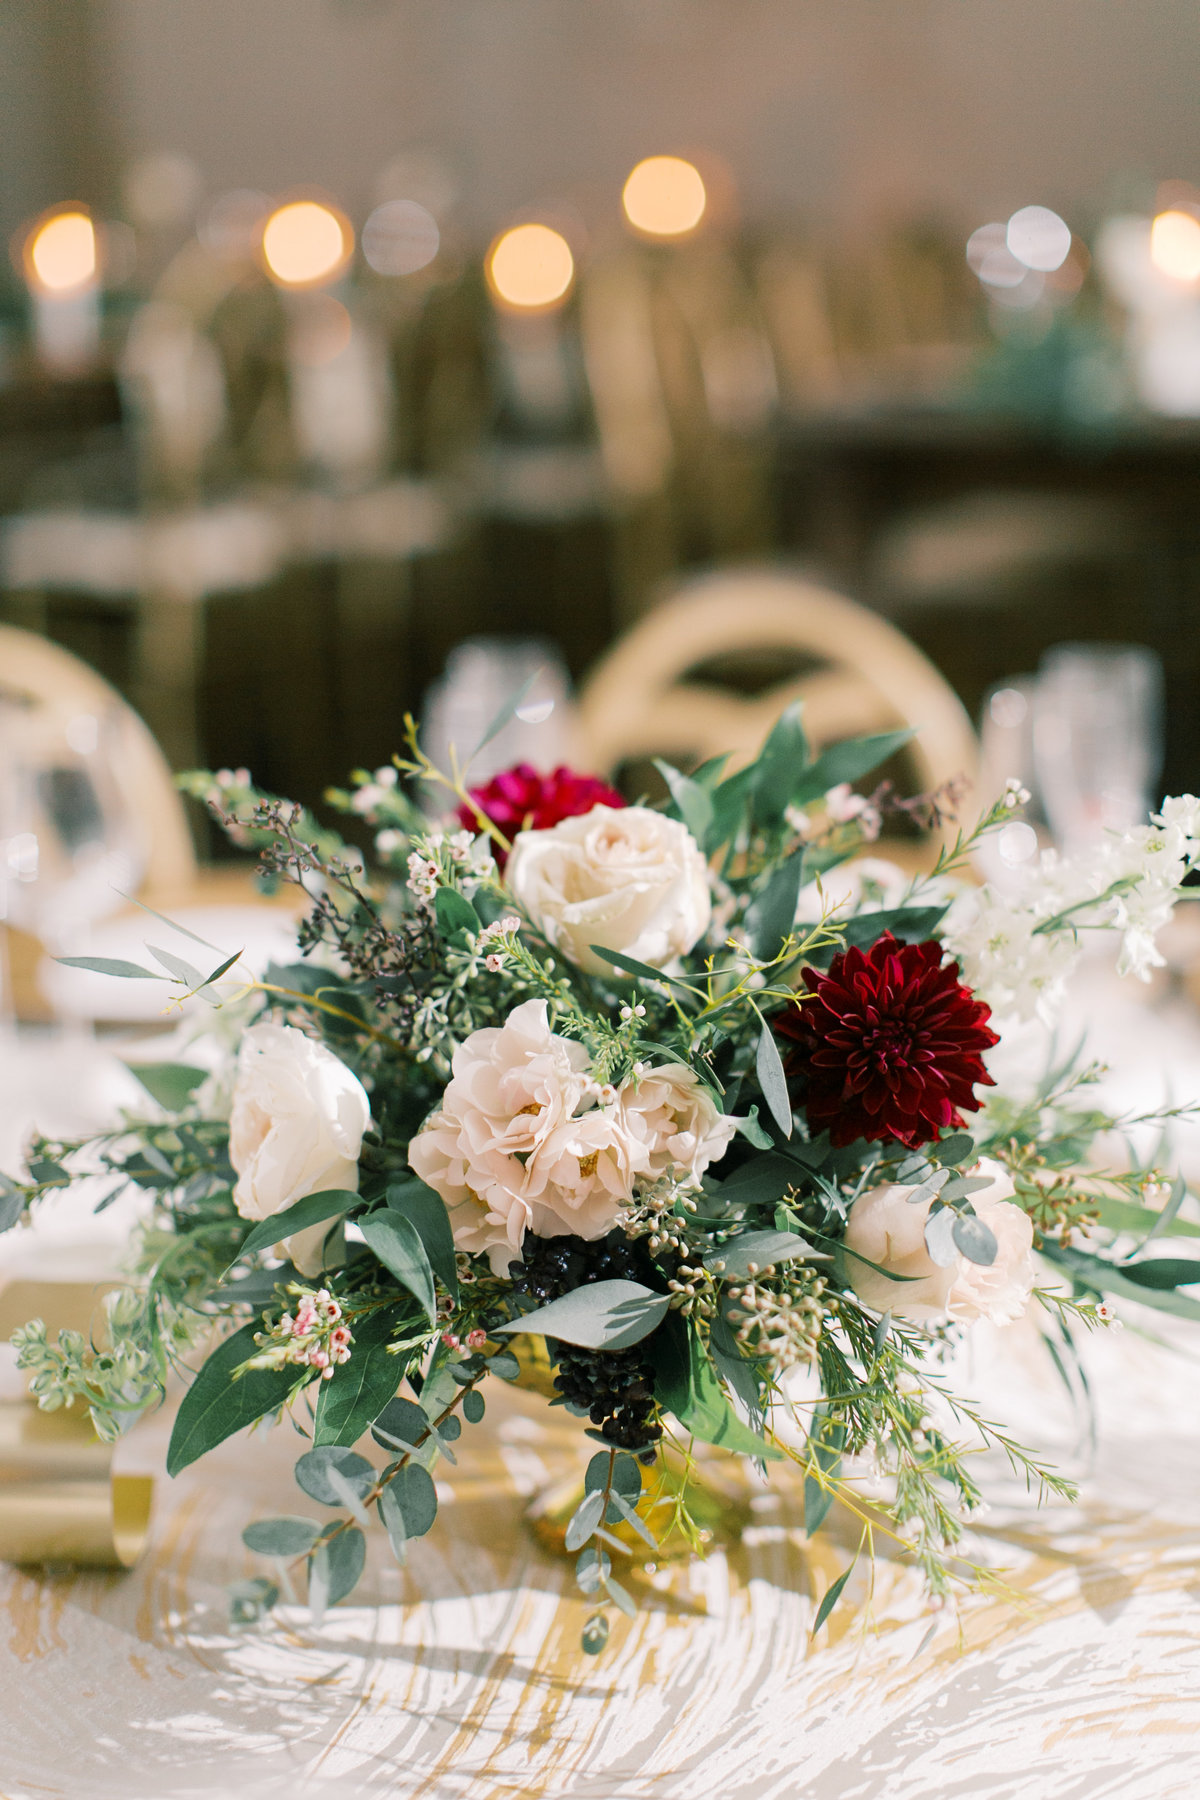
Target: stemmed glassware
[(1097, 738)]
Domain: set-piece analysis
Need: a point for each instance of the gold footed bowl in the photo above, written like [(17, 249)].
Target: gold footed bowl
[(689, 1504)]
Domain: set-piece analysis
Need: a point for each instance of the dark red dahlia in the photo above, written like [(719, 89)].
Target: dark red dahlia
[(522, 799), (887, 1044)]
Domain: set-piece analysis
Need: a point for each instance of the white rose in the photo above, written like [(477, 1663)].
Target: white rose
[(674, 1115), (889, 1229), (623, 877), (521, 1142), (295, 1128)]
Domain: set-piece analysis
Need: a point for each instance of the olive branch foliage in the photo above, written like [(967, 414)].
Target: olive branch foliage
[(748, 1274)]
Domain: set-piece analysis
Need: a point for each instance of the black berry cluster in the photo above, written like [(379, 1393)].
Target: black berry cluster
[(616, 1386)]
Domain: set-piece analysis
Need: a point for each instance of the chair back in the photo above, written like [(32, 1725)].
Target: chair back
[(32, 666), (860, 675)]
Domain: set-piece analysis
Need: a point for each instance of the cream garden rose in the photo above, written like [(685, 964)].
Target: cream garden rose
[(887, 1228), (671, 1112), (525, 1140), (295, 1128), (626, 878)]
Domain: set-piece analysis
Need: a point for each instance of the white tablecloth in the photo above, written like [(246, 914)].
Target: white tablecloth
[(461, 1678)]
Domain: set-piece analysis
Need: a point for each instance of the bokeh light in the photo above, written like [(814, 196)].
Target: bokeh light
[(400, 237), (664, 197), (992, 260), (60, 252), (304, 243), (1038, 238), (1175, 245), (530, 266)]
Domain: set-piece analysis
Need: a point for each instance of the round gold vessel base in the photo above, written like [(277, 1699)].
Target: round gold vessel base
[(718, 1515)]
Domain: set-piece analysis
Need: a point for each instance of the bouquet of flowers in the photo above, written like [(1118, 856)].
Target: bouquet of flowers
[(647, 1085)]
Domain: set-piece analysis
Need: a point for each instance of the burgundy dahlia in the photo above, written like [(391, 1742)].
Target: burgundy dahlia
[(886, 1044), (523, 799)]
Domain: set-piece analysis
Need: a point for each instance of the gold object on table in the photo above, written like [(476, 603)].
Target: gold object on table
[(717, 1513), (60, 1499)]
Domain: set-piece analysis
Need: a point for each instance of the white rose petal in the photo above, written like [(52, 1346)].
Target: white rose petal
[(623, 877), (295, 1128), (672, 1113), (888, 1228)]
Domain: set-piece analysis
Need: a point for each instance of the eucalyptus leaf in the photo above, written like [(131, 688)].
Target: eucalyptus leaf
[(335, 1567), (763, 1248), (601, 1315), (619, 1596), (772, 1080), (594, 1635), (940, 1236), (686, 1384), (584, 1520), (412, 1495), (401, 1422), (474, 1406), (250, 1600), (312, 1473), (111, 965), (976, 1240), (833, 1594), (281, 1537)]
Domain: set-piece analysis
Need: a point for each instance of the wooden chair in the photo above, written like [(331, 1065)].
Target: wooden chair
[(45, 672), (858, 675)]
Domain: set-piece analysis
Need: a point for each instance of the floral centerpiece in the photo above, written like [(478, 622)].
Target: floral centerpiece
[(633, 1081)]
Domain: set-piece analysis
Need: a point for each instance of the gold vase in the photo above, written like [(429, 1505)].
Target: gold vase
[(702, 1490)]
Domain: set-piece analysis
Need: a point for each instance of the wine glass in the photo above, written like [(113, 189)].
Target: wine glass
[(1097, 738), (71, 845), (482, 676)]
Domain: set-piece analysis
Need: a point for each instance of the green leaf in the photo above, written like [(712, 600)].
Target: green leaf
[(631, 966), (601, 1315), (686, 1384), (410, 1498), (773, 913), (474, 1406), (215, 1406), (907, 924), (334, 1568), (176, 966), (958, 1148), (455, 914), (357, 1391), (833, 1594), (312, 1473), (760, 1181), (427, 1212), (171, 1084), (221, 969), (761, 1248), (594, 1635), (1162, 1272), (1162, 1224), (778, 772), (397, 1244), (281, 1537), (940, 1236), (976, 1240), (620, 1596), (1094, 1272), (693, 803), (584, 1519), (772, 1080), (314, 1209), (729, 809), (401, 1425), (1127, 1216), (738, 1371), (826, 1446), (111, 965), (752, 1131), (249, 1600), (12, 1204), (626, 1482), (850, 761)]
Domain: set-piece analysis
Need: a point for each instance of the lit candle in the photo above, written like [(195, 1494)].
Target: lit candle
[(62, 272)]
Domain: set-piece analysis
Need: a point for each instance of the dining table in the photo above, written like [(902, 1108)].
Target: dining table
[(1070, 1672)]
